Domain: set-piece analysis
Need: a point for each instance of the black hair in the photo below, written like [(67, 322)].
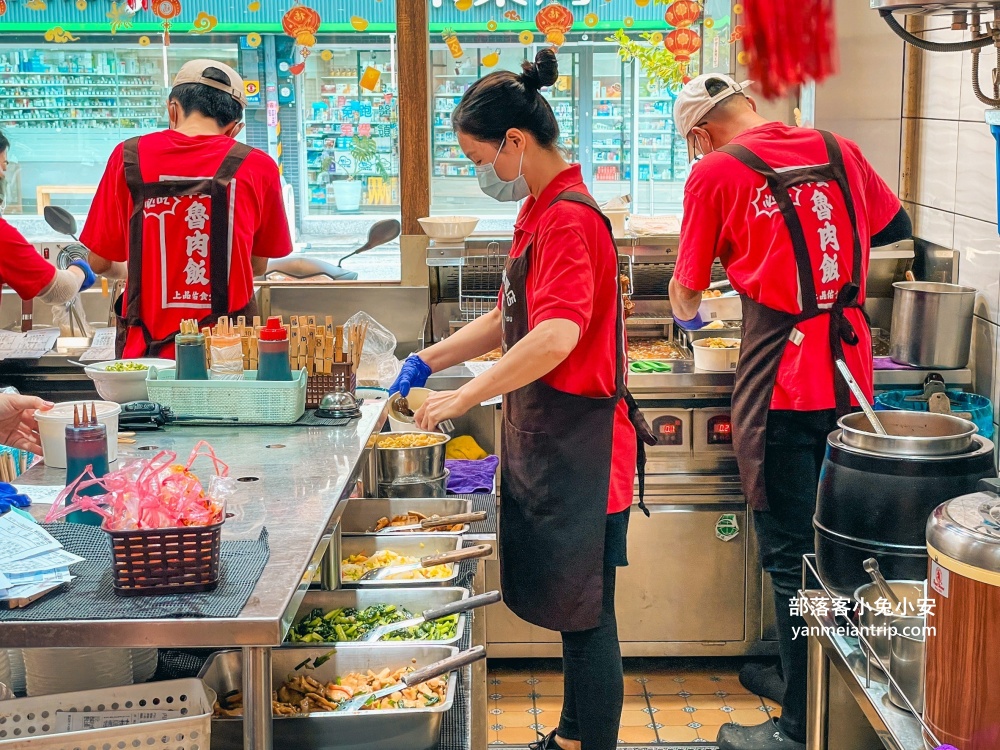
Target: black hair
[(503, 100), (4, 143), (210, 102)]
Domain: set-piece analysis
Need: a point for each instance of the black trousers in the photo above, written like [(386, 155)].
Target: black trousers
[(796, 443), (594, 683)]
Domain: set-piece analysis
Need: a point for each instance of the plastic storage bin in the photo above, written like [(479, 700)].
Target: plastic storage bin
[(249, 400), (980, 407)]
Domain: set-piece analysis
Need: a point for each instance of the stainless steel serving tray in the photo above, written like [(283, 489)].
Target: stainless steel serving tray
[(416, 600), (362, 514), (391, 729), (409, 545)]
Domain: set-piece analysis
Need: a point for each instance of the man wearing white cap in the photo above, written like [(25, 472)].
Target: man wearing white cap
[(189, 215), (791, 213)]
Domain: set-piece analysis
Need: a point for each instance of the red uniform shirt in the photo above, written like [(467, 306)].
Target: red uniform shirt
[(574, 276), (176, 270), (730, 214), (21, 267)]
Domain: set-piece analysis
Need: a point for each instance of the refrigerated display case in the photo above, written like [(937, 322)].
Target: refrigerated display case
[(351, 94)]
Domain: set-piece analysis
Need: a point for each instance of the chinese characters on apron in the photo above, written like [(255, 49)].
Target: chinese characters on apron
[(767, 331), (203, 289)]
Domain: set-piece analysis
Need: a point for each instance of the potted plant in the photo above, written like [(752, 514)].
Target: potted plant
[(364, 156)]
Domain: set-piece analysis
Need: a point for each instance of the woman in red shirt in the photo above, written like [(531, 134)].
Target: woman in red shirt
[(568, 447)]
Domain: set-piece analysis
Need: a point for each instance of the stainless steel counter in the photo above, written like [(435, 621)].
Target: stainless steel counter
[(294, 482)]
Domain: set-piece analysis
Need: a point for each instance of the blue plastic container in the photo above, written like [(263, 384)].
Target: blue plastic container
[(980, 407)]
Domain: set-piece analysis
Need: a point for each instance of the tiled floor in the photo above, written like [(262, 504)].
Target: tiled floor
[(666, 701)]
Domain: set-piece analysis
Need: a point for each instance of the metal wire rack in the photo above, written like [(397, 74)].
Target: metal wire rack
[(480, 278)]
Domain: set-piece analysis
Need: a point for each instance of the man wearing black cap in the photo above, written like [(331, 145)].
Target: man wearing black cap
[(189, 215)]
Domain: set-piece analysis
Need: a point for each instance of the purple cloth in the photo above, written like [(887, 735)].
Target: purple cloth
[(468, 477), (885, 363)]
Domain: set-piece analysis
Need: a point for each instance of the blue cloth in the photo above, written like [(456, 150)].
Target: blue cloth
[(471, 477), (691, 325), (413, 374), (89, 277)]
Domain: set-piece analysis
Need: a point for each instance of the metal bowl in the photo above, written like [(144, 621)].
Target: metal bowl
[(339, 405), (911, 433), (436, 487), (876, 626), (423, 463)]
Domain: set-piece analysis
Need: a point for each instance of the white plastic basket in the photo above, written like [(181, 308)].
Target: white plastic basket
[(29, 722), (250, 400)]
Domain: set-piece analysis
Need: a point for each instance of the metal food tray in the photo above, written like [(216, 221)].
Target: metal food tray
[(389, 729), (408, 545), (362, 514), (416, 600), (688, 337)]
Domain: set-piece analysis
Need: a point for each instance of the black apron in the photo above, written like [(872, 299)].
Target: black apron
[(767, 331), (218, 189), (556, 452)]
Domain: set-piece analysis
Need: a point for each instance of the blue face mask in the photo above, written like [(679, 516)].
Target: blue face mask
[(502, 190)]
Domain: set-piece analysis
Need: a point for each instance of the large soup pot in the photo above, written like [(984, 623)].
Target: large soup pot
[(931, 324), (874, 501)]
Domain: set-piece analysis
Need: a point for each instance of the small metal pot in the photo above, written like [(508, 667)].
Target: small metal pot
[(435, 487), (876, 626), (395, 464), (931, 324), (907, 654), (911, 433)]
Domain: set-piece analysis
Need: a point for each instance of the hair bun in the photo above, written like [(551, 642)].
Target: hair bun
[(543, 72)]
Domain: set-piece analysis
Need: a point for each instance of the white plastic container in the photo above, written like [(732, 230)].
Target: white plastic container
[(415, 399), (122, 387), (716, 360), (721, 308), (617, 217), (52, 429), (448, 228)]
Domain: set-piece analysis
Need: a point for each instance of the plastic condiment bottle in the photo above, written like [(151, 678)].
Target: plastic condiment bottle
[(86, 445), (189, 350), (272, 352)]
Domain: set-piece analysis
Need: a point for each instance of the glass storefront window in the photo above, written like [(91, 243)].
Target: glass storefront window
[(65, 110)]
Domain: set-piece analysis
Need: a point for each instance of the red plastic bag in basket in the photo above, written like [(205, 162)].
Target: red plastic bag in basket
[(789, 42)]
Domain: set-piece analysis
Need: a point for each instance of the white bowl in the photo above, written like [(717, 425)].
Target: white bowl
[(52, 429), (729, 307), (415, 400), (716, 360), (448, 228), (122, 387)]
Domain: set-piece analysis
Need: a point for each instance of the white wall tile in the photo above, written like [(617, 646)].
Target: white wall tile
[(935, 165), (971, 109), (933, 225), (979, 263), (976, 184), (940, 80)]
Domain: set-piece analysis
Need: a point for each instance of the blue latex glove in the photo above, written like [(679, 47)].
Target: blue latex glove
[(9, 497), (690, 325), (413, 374), (89, 277)]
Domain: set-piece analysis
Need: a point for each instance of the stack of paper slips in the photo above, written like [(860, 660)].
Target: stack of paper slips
[(32, 561)]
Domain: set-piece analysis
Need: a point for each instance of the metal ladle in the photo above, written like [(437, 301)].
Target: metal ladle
[(401, 408), (872, 569), (860, 396)]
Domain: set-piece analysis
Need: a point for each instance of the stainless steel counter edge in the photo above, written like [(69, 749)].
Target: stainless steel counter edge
[(304, 475)]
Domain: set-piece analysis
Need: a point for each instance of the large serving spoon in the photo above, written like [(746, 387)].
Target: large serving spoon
[(860, 396), (872, 569)]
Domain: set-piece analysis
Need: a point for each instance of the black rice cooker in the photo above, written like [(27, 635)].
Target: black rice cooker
[(876, 494)]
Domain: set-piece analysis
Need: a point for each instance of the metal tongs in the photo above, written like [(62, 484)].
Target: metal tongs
[(423, 674), (433, 523), (466, 553), (428, 615)]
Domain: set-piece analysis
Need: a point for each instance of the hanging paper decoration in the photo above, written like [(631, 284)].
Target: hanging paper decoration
[(491, 59), (708, 23), (134, 6), (3, 7), (254, 6), (166, 10), (81, 5), (253, 40), (370, 78), (120, 16), (683, 43), (512, 15), (301, 23), (789, 42), (554, 20), (642, 3), (326, 55), (358, 23), (463, 5), (491, 25), (628, 22), (144, 41), (655, 38), (590, 20), (454, 46), (525, 37), (742, 57), (204, 23), (682, 13), (60, 36), (36, 5)]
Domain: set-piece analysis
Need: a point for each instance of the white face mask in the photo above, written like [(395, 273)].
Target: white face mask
[(502, 190)]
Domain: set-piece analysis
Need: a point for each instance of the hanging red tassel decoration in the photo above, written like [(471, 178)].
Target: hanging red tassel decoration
[(788, 42)]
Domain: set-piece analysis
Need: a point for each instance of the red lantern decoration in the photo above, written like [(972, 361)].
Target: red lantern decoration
[(3, 7), (683, 13), (301, 23), (554, 17), (166, 10), (682, 43)]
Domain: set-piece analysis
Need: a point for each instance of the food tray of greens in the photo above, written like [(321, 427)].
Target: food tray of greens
[(344, 616)]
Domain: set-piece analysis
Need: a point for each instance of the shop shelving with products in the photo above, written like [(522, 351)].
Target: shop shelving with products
[(337, 109)]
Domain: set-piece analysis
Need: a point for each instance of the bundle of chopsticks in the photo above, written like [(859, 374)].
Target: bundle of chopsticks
[(13, 463)]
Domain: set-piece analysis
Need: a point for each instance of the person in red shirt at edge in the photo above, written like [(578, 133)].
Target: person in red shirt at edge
[(792, 214), (208, 203), (569, 448)]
